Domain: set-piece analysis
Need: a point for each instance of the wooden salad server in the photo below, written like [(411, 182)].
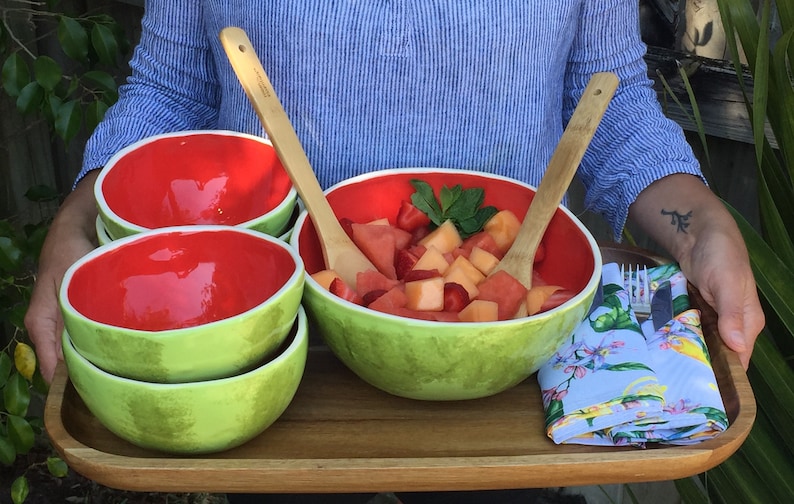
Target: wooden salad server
[(519, 259), (339, 251)]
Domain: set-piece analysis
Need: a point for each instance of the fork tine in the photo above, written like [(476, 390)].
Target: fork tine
[(637, 284)]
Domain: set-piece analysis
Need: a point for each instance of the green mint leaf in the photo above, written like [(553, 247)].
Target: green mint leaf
[(425, 200), (467, 204), (448, 197), (463, 207)]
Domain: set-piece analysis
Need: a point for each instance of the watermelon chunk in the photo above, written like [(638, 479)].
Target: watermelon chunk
[(505, 290), (484, 241), (371, 280), (390, 302), (378, 244)]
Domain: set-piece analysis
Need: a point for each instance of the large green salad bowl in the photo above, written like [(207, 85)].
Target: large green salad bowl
[(437, 360)]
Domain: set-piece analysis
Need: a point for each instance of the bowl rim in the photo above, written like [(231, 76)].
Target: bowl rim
[(297, 277), (104, 208), (591, 286), (301, 337)]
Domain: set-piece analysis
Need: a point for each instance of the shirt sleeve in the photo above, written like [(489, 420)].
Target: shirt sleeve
[(172, 85), (635, 144)]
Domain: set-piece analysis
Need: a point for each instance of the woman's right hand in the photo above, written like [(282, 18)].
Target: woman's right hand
[(72, 234)]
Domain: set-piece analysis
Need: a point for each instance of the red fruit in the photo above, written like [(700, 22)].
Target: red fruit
[(485, 241), (540, 253), (414, 275), (410, 218), (401, 238), (419, 233), (404, 262), (339, 288), (455, 297), (371, 280), (556, 299), (502, 288), (390, 302), (347, 225), (378, 244), (372, 295)]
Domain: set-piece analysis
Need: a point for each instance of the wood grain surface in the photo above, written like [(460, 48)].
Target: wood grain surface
[(342, 435)]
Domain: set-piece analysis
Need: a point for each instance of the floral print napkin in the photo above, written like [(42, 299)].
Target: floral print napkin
[(618, 383)]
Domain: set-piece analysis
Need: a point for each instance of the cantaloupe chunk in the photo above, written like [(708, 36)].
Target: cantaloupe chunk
[(445, 238), (471, 271), (483, 260), (479, 310), (503, 227), (325, 277), (457, 274), (432, 259), (425, 295), (538, 295)]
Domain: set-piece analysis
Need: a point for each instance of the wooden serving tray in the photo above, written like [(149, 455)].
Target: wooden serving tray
[(342, 435)]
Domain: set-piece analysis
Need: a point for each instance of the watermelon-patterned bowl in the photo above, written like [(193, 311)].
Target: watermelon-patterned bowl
[(195, 177), (197, 417), (436, 359), (183, 303)]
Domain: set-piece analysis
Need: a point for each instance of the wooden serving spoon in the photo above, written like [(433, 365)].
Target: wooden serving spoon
[(339, 251), (519, 259)]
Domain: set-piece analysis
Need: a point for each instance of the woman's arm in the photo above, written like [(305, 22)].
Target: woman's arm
[(72, 234), (683, 215)]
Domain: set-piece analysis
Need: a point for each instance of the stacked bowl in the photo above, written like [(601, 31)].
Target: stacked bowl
[(184, 332), (186, 339), (193, 178)]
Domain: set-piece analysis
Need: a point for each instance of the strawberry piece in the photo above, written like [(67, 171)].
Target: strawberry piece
[(404, 262), (410, 218), (339, 288), (455, 297), (420, 274)]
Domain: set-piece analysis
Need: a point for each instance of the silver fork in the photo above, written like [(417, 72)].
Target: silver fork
[(636, 283)]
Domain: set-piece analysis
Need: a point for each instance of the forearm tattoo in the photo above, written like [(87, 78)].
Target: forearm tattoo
[(681, 221)]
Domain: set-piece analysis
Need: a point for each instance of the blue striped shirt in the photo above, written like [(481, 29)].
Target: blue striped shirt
[(476, 84)]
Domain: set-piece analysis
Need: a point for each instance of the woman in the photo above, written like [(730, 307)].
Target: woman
[(479, 84)]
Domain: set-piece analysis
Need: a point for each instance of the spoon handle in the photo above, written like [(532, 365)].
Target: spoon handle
[(559, 174), (335, 242)]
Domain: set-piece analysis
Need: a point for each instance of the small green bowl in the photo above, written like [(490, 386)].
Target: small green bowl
[(183, 303), (195, 177), (197, 417), (432, 360)]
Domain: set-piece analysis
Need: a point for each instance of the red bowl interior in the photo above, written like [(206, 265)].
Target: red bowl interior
[(179, 279), (569, 260), (200, 178)]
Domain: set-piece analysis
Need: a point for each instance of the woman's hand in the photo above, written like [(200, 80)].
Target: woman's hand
[(72, 234), (683, 215)]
